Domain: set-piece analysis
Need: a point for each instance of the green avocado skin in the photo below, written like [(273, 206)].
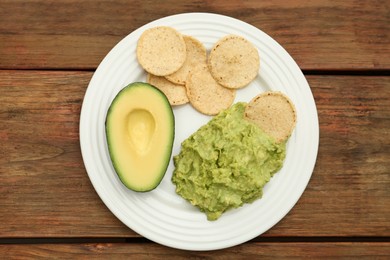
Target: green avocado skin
[(226, 163)]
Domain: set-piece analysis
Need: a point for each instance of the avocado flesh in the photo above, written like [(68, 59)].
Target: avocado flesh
[(140, 131)]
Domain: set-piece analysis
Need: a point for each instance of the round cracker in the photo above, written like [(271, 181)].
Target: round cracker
[(176, 94), (161, 50), (274, 113), (196, 54), (234, 62), (205, 94)]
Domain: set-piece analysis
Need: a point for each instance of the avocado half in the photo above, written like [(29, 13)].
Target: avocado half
[(140, 129)]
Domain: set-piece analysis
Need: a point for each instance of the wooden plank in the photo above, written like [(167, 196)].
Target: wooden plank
[(148, 251), (324, 35), (80, 52), (45, 190)]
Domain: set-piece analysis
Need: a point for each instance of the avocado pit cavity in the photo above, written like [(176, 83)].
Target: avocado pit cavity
[(141, 126)]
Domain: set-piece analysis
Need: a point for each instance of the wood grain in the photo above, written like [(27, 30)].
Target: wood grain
[(321, 34), (45, 190), (154, 251)]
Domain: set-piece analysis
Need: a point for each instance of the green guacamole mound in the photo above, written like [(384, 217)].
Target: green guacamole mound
[(226, 163)]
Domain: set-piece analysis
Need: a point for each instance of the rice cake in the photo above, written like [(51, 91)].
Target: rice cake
[(176, 94), (205, 94), (234, 62), (196, 54), (161, 50), (274, 113)]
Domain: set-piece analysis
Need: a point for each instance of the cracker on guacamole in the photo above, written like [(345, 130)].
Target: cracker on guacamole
[(226, 163)]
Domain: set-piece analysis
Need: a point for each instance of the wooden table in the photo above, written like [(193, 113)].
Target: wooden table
[(48, 53)]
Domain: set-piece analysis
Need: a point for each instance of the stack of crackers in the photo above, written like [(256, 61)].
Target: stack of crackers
[(179, 66)]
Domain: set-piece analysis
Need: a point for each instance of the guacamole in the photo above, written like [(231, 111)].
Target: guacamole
[(226, 163)]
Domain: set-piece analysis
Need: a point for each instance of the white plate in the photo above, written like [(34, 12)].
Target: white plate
[(163, 216)]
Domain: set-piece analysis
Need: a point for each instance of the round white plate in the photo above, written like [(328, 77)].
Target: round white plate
[(163, 216)]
